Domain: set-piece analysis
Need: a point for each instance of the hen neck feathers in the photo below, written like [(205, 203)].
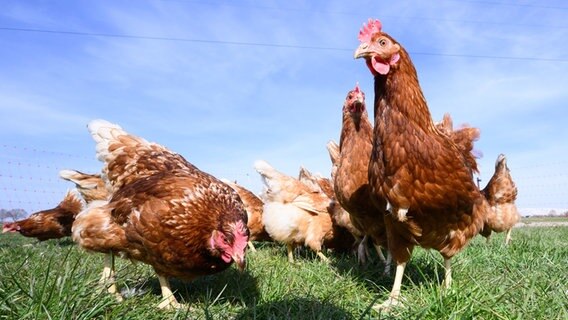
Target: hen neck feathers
[(400, 90)]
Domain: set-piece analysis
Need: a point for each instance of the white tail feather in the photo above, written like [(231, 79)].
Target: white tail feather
[(74, 176), (103, 132), (263, 168), (68, 175)]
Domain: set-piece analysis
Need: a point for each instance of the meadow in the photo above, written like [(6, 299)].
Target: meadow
[(526, 280)]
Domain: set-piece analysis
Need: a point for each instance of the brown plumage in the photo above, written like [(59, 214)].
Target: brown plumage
[(351, 179), (294, 213), (425, 177), (163, 211), (253, 205), (501, 193), (48, 224)]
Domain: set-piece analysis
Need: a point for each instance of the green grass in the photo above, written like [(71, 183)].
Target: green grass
[(527, 280), (544, 219)]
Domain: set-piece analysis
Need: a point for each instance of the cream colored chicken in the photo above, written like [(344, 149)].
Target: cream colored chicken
[(294, 214)]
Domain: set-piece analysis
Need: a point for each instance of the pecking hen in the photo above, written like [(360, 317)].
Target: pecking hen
[(253, 206), (501, 193), (294, 213), (48, 224), (424, 176), (351, 180), (163, 211)]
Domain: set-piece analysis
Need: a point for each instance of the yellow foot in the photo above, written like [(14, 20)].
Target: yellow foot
[(251, 246), (118, 297), (387, 305), (168, 304), (323, 257)]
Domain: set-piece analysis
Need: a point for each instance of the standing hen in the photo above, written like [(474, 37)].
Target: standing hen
[(48, 224), (351, 179), (421, 172), (501, 193), (294, 213), (163, 211)]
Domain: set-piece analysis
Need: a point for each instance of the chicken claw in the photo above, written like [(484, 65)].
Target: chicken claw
[(169, 302), (323, 257)]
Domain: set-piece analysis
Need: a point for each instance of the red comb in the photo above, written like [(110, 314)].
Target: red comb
[(369, 29), (357, 88)]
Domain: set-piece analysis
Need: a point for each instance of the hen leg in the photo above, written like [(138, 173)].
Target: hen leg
[(251, 246), (508, 237), (394, 297), (387, 262), (290, 249), (380, 253), (322, 257), (108, 279), (169, 301), (362, 252), (447, 273)]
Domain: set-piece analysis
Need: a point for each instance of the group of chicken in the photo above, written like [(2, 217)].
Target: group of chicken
[(402, 182)]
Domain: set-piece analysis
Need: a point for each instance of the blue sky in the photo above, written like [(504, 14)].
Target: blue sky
[(225, 83)]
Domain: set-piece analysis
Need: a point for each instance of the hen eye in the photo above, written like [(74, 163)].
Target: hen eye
[(382, 42)]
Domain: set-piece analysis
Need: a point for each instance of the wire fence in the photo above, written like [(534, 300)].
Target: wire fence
[(29, 180)]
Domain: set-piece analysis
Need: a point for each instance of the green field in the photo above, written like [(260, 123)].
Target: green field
[(533, 219), (527, 280)]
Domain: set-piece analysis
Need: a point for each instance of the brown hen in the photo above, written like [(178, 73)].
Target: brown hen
[(48, 224), (163, 211), (424, 176), (351, 179), (501, 193)]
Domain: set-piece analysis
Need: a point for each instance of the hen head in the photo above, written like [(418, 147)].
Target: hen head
[(379, 49), (231, 244), (355, 101), (501, 163), (10, 227)]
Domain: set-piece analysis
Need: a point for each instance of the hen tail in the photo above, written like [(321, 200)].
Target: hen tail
[(105, 133), (333, 149), (278, 186), (464, 139), (90, 186)]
